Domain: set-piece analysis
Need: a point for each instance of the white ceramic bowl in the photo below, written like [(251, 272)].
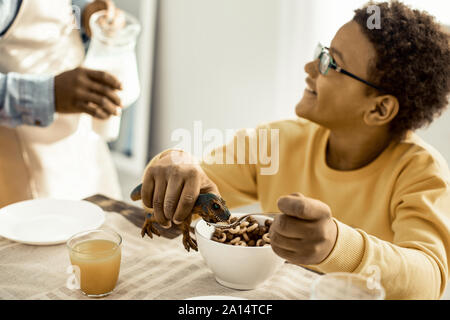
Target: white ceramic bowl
[(236, 267)]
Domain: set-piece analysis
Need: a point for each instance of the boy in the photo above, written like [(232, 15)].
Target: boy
[(358, 191)]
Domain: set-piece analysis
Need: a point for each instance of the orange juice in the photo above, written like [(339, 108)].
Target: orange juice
[(99, 263)]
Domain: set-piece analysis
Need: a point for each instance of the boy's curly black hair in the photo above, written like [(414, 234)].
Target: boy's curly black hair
[(413, 63)]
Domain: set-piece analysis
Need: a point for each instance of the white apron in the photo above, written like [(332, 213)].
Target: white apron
[(66, 160)]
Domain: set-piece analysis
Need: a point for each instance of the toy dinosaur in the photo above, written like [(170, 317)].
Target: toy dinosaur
[(208, 206)]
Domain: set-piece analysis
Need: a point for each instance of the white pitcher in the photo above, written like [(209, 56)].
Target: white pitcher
[(112, 49)]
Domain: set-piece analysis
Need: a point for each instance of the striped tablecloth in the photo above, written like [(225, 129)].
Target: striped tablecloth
[(151, 269)]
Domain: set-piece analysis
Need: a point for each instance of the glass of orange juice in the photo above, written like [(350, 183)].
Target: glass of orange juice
[(96, 256)]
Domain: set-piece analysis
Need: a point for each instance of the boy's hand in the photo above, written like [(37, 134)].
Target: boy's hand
[(305, 233), (171, 186)]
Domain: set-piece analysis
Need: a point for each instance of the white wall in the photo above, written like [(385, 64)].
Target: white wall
[(235, 63), (220, 62)]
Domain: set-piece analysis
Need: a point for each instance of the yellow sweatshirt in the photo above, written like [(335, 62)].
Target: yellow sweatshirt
[(392, 215)]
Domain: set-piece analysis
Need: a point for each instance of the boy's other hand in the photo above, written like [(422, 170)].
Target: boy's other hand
[(305, 233)]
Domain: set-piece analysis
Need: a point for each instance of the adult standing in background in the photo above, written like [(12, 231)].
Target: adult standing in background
[(47, 146)]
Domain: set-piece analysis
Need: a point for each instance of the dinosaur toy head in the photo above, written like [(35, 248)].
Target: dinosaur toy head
[(211, 208)]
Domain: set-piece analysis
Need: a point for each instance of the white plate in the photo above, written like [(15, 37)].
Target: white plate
[(215, 298), (48, 221)]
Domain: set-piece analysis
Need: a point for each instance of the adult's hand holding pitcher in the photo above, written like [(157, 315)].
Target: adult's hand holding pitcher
[(89, 91)]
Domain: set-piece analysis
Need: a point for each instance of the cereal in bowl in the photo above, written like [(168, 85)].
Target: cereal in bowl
[(247, 234)]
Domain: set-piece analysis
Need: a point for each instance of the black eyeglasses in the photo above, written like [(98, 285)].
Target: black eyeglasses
[(326, 62)]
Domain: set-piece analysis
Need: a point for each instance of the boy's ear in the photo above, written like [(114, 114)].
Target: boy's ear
[(383, 110)]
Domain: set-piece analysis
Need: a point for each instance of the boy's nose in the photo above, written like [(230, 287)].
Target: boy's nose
[(312, 69)]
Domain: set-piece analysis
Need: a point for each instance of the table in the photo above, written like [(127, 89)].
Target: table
[(157, 268)]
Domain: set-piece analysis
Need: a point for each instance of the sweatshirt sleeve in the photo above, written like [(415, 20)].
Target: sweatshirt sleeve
[(415, 264)]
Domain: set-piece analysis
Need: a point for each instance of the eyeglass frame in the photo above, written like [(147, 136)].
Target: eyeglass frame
[(332, 64)]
